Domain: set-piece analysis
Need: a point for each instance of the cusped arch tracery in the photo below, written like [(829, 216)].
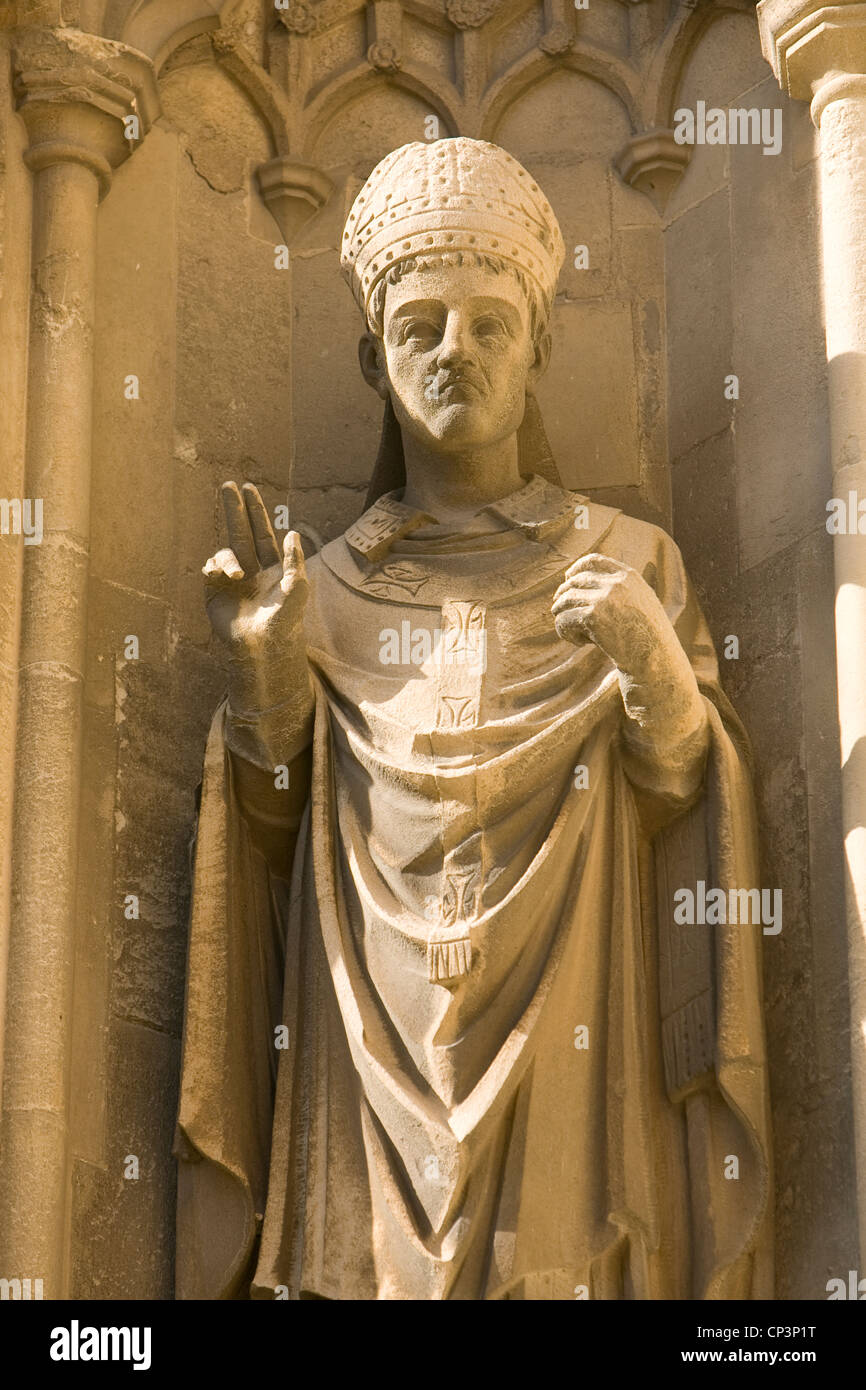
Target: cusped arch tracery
[(158, 27), (671, 55), (618, 76), (306, 66), (472, 100), (352, 88)]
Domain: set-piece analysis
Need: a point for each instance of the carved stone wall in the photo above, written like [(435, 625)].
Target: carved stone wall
[(750, 478), (271, 119)]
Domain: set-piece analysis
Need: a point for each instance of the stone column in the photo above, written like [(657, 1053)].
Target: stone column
[(818, 54), (74, 91)]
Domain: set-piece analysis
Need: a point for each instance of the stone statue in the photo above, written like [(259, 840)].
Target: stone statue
[(444, 1038)]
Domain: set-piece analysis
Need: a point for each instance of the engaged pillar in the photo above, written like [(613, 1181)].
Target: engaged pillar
[(818, 54), (76, 93)]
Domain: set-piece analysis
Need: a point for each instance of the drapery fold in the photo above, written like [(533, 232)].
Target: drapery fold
[(475, 1151)]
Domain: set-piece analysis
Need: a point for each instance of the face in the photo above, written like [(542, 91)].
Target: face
[(458, 356)]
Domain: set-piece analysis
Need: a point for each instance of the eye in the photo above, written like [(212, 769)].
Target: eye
[(419, 331), (490, 327)]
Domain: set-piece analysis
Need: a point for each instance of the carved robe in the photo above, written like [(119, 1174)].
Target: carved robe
[(507, 1073)]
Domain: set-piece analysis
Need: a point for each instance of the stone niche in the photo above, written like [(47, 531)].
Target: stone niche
[(679, 274)]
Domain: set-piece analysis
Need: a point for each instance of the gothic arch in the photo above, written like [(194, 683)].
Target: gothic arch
[(352, 86), (619, 77)]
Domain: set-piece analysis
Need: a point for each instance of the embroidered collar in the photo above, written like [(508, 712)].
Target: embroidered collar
[(538, 510)]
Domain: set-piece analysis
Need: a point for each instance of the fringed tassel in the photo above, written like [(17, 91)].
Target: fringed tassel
[(448, 960)]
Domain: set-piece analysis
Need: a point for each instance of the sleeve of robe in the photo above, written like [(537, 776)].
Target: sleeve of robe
[(710, 985), (245, 844)]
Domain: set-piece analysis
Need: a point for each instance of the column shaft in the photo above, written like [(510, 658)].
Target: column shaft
[(75, 91), (34, 1171), (818, 53), (843, 211)]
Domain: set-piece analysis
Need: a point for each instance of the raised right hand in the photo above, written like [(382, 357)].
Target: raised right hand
[(254, 596)]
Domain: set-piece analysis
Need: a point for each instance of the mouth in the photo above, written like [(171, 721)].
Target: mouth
[(456, 390)]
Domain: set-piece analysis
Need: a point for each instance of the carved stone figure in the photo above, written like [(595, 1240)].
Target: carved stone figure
[(445, 1038)]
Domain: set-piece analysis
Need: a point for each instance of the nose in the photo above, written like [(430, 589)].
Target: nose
[(455, 347)]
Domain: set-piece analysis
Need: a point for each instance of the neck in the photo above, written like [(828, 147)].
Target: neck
[(450, 486)]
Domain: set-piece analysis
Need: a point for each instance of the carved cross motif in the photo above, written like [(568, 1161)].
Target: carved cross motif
[(464, 660), (458, 902), (396, 581), (460, 711), (463, 633)]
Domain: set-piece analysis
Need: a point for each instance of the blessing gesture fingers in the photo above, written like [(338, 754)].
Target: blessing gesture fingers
[(253, 592)]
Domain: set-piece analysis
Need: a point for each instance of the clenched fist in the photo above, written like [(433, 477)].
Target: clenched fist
[(610, 604)]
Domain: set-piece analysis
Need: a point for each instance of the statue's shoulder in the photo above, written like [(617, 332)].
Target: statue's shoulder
[(587, 523), (638, 542), (642, 545), (654, 553)]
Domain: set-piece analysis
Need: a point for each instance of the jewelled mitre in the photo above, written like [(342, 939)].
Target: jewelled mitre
[(450, 195)]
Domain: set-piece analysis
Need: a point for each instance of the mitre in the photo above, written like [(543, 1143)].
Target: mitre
[(457, 195), (450, 195)]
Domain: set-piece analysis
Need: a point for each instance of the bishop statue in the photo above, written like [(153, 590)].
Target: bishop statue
[(444, 1037)]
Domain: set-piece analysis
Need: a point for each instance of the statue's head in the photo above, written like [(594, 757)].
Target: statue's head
[(452, 252)]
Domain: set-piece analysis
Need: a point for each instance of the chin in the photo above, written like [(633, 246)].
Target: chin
[(459, 426)]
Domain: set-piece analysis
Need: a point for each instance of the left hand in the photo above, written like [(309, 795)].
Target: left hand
[(612, 605)]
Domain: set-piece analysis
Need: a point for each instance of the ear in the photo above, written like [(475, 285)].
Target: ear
[(371, 356), (538, 366)]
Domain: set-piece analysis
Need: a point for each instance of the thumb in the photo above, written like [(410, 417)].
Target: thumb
[(293, 560)]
